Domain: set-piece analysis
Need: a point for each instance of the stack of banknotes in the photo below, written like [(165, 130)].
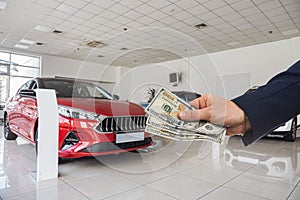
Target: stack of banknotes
[(163, 121)]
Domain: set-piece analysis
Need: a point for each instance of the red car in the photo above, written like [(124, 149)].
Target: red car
[(92, 122)]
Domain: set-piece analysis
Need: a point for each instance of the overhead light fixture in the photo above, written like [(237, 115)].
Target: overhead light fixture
[(26, 42), (290, 32), (67, 9), (201, 26), (20, 46), (3, 5), (42, 28)]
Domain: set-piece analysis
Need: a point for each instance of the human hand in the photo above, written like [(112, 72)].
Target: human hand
[(218, 111)]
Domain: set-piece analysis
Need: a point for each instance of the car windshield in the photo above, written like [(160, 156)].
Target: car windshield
[(76, 89)]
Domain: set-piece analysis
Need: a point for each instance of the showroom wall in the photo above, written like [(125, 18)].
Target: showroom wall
[(240, 68), (64, 67)]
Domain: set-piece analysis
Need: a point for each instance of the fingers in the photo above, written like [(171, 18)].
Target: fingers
[(202, 102), (193, 115)]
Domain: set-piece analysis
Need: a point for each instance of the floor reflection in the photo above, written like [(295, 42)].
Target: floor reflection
[(273, 157)]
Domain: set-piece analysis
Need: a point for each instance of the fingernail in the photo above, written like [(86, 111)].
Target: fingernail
[(182, 114)]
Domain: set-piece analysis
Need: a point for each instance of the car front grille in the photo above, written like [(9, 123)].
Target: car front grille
[(110, 146), (120, 124)]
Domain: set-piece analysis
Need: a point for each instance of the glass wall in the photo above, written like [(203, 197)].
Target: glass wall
[(15, 70)]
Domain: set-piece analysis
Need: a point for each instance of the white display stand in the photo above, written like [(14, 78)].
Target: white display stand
[(47, 158)]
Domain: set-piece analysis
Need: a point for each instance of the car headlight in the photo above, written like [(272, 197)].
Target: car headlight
[(76, 113)]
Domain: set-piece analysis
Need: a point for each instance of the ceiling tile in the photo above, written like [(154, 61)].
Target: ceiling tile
[(146, 9), (249, 11), (91, 8), (146, 20), (68, 9), (76, 3), (293, 7), (279, 18), (186, 4), (59, 14), (157, 15), (198, 10), (158, 4), (103, 3), (119, 9), (75, 19), (134, 15), (231, 17), (275, 12), (48, 4), (122, 20), (242, 5), (130, 3), (214, 4), (223, 11), (98, 19), (83, 14), (269, 5)]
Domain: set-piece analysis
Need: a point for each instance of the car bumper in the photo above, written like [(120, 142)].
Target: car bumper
[(103, 148)]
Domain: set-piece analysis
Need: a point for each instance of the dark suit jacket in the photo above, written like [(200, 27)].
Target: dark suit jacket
[(272, 104)]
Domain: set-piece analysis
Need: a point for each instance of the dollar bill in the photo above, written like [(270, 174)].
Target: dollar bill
[(182, 136), (154, 122), (165, 106)]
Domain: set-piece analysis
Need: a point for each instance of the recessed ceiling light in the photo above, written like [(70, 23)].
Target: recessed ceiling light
[(233, 43), (20, 46), (290, 32), (201, 25), (3, 5), (67, 9), (42, 28), (28, 42)]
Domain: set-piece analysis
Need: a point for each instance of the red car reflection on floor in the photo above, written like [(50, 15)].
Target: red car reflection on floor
[(92, 122)]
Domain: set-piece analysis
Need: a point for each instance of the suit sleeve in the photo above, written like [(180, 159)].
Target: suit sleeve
[(272, 104)]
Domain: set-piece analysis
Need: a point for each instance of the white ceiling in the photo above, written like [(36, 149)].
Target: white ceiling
[(151, 30)]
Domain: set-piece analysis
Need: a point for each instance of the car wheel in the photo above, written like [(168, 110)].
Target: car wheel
[(291, 136), (8, 134)]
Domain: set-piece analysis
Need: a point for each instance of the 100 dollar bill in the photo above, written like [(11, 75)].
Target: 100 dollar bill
[(165, 106), (160, 128), (182, 137)]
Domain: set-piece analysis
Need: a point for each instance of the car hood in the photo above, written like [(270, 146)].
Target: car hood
[(103, 106)]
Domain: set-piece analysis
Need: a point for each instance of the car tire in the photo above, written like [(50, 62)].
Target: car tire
[(292, 134), (8, 134)]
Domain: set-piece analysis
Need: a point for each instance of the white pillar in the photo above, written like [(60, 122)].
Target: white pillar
[(47, 158)]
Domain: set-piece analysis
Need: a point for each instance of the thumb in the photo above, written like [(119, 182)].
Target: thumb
[(195, 115)]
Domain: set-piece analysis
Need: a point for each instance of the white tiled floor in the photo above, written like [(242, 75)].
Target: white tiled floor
[(268, 169)]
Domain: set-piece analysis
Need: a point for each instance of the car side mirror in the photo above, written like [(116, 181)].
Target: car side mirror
[(116, 97), (27, 93)]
